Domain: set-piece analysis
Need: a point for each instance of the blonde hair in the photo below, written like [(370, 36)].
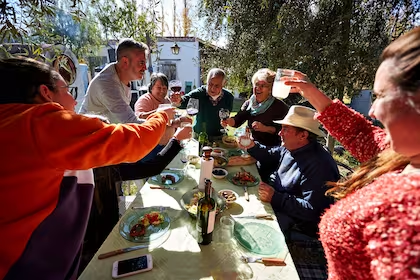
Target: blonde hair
[(386, 161), (265, 75)]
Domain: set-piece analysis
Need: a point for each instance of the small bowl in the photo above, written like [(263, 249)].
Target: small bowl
[(219, 173), (193, 159), (229, 195), (220, 161), (219, 152), (229, 141), (188, 196)]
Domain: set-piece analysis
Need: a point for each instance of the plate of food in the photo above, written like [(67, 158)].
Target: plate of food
[(219, 152), (189, 201), (167, 178), (229, 195), (229, 141), (243, 179), (235, 153), (220, 161), (144, 225)]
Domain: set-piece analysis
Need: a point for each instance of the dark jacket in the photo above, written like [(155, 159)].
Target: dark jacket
[(208, 113), (299, 182), (276, 111)]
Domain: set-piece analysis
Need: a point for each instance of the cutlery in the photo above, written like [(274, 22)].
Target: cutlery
[(156, 187), (174, 169), (265, 261), (160, 208), (246, 193), (258, 216), (121, 251)]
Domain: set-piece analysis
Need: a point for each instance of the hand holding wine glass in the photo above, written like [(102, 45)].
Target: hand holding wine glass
[(175, 98), (224, 114), (183, 133), (168, 109), (245, 141)]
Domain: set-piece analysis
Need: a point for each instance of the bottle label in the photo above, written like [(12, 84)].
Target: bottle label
[(211, 220)]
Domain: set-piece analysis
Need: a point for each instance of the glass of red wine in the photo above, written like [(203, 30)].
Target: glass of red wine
[(192, 107)]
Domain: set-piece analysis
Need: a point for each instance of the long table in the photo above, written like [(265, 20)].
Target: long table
[(178, 256)]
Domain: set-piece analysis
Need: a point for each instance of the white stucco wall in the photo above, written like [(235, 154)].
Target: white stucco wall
[(187, 62)]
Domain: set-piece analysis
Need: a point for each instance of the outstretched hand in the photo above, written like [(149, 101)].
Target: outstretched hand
[(308, 90), (183, 133), (175, 98), (227, 122), (170, 112)]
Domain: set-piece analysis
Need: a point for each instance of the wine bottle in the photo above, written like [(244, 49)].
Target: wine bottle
[(202, 138), (206, 167), (206, 215)]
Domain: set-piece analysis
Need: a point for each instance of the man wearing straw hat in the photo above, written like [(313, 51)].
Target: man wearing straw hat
[(296, 188)]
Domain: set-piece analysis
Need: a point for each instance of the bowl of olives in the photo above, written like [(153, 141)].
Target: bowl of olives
[(219, 173)]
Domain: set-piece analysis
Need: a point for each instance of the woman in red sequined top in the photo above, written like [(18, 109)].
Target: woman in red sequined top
[(373, 232)]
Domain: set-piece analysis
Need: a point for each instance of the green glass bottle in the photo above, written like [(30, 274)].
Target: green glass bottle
[(203, 138), (206, 215)]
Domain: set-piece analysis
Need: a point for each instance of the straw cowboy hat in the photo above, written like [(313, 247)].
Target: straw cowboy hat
[(303, 117)]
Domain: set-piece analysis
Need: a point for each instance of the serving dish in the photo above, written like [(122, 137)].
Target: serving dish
[(151, 232), (189, 201)]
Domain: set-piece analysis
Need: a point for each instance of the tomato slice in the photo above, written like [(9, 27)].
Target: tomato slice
[(137, 230)]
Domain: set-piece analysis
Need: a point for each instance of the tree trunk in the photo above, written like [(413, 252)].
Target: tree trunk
[(330, 143)]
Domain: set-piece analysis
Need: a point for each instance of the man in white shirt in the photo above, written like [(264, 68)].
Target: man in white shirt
[(109, 93)]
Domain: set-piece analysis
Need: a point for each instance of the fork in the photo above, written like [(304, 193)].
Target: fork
[(265, 261)]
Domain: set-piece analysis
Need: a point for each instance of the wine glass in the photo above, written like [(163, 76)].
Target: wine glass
[(244, 138), (280, 90), (223, 115), (184, 160), (192, 107)]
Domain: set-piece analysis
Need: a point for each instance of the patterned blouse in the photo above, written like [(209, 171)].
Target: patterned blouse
[(373, 233)]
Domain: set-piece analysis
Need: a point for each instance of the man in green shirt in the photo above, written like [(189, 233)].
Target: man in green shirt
[(211, 98)]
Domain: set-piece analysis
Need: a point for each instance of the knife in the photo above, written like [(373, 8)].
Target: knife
[(258, 216), (121, 251), (156, 187), (174, 169), (246, 193), (160, 208)]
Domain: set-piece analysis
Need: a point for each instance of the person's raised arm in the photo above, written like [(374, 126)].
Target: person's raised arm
[(317, 98), (241, 117), (192, 94), (350, 128), (154, 166), (75, 142)]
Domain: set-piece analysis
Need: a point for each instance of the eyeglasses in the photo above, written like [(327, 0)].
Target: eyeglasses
[(262, 86), (72, 90)]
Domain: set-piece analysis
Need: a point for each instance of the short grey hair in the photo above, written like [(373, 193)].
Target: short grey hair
[(216, 72), (265, 75), (126, 45)]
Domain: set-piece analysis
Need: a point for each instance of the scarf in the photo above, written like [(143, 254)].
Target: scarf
[(256, 108)]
